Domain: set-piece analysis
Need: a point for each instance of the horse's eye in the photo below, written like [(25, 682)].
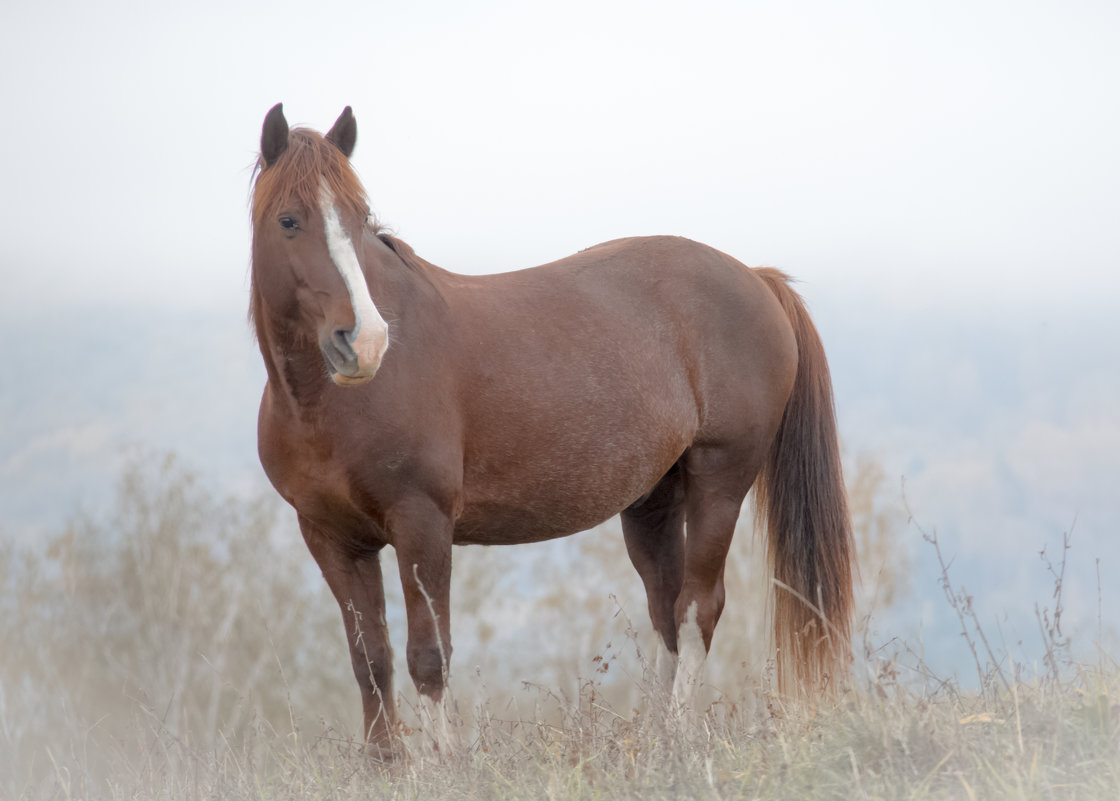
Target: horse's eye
[(289, 223)]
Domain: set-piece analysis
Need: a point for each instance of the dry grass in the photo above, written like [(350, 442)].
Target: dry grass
[(881, 742), (180, 649)]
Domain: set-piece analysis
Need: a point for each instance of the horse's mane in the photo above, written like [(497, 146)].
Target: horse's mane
[(295, 179)]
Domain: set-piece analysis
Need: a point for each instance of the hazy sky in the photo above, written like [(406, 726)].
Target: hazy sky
[(944, 178), (931, 153)]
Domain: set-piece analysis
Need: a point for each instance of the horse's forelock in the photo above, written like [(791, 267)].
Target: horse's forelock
[(298, 176)]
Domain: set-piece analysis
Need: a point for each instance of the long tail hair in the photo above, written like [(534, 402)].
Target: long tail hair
[(800, 498)]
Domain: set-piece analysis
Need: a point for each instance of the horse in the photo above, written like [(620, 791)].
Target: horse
[(654, 378)]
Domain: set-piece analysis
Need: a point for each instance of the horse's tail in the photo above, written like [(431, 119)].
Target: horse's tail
[(799, 496)]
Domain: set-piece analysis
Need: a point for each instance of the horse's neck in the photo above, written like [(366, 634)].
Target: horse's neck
[(402, 281), (408, 291)]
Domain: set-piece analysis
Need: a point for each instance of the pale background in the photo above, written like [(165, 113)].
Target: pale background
[(943, 178)]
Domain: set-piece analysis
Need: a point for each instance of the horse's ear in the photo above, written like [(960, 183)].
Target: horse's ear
[(344, 133), (274, 135)]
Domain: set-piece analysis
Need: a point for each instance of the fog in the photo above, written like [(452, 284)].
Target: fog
[(943, 180)]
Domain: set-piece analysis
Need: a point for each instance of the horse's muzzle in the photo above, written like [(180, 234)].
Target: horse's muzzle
[(353, 359)]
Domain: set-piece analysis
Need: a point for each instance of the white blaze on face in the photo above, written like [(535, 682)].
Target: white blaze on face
[(370, 337), (690, 648)]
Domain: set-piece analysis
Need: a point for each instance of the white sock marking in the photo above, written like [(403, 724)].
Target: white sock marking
[(690, 647), (665, 666), (436, 719)]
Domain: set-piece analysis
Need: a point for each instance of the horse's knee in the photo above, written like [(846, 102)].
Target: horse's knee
[(426, 665)]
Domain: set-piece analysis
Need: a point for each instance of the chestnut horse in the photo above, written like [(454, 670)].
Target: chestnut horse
[(653, 378)]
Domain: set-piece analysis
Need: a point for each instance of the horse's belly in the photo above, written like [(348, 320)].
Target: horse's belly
[(551, 494), (498, 523)]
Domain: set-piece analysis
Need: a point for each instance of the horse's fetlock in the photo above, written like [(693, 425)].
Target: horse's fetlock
[(426, 665)]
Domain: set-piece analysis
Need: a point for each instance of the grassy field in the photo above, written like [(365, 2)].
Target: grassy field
[(180, 649), (881, 741)]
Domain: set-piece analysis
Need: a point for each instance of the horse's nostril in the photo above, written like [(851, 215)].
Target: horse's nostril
[(339, 352)]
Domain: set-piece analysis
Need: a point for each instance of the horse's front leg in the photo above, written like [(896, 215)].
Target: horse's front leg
[(421, 533), (357, 586)]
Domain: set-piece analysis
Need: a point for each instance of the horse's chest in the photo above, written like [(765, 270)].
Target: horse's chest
[(307, 470)]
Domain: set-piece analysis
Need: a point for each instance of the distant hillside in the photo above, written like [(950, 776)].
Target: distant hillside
[(77, 398), (1006, 430)]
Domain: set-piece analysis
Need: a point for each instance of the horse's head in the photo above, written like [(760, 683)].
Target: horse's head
[(309, 212)]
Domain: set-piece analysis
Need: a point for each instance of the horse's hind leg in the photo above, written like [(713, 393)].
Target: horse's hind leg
[(654, 534), (716, 480), (357, 586)]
